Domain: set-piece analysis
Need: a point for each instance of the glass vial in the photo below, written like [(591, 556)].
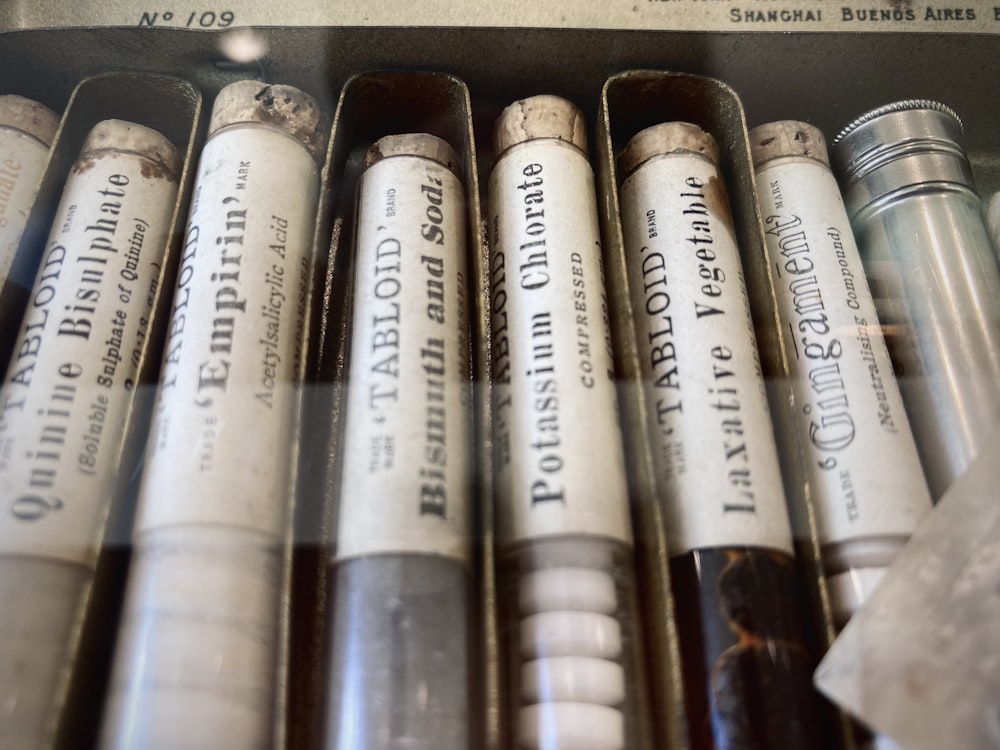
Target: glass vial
[(747, 670), (197, 657), (862, 470), (909, 191), (66, 405), (399, 677), (566, 567), (26, 132)]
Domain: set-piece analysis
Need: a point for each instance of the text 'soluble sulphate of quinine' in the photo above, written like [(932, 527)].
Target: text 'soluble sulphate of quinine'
[(66, 404)]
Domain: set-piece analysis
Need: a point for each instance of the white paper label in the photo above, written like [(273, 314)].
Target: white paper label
[(22, 161), (710, 428), (225, 418), (557, 447), (408, 433), (862, 463), (70, 387)]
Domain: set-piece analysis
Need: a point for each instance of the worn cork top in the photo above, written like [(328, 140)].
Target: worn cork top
[(775, 140), (666, 138), (413, 144), (28, 116), (543, 116), (119, 135), (283, 107)]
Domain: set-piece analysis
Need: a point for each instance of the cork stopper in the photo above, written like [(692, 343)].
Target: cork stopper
[(283, 107), (667, 138), (776, 140), (543, 116), (413, 144), (29, 117), (119, 135)]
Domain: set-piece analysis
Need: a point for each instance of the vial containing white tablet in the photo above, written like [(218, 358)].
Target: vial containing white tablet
[(565, 555), (198, 657)]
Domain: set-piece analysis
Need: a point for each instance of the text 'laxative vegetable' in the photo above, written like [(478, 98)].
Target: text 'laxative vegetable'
[(746, 668)]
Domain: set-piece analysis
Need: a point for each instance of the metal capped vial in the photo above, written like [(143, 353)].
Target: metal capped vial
[(908, 187), (26, 132), (199, 654)]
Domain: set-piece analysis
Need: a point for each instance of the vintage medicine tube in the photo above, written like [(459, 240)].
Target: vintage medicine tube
[(567, 583), (66, 406), (399, 676), (909, 190), (198, 653), (862, 471), (27, 129), (746, 666), (26, 132)]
